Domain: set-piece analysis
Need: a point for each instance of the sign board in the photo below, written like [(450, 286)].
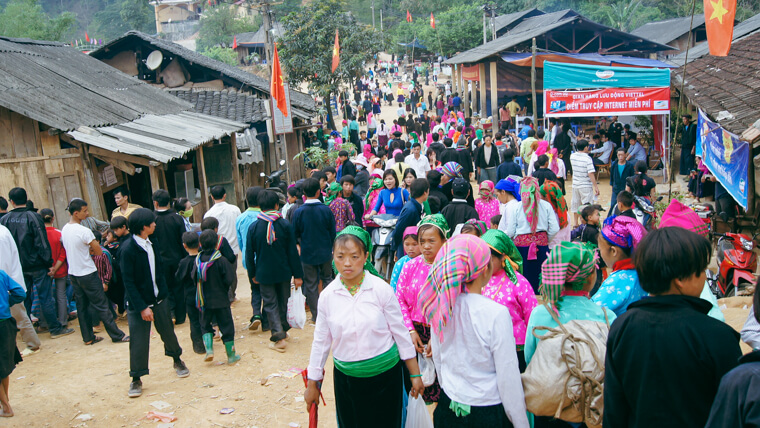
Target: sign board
[(471, 72), (726, 156), (282, 124), (560, 75), (607, 102)]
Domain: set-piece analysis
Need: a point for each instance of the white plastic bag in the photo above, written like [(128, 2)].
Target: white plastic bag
[(417, 415), (427, 369), (296, 308)]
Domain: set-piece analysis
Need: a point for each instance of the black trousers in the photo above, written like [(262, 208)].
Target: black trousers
[(223, 318), (312, 274), (115, 293), (480, 416), (139, 341), (275, 298), (194, 316), (176, 293), (256, 304), (91, 297), (369, 402)]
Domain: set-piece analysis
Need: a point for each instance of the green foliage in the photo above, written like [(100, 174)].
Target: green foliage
[(319, 158), (25, 18), (118, 17), (457, 29), (219, 24), (225, 55)]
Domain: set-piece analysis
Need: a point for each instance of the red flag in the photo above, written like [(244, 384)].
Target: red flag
[(432, 21), (408, 16), (719, 23), (234, 42), (276, 86), (86, 37), (336, 53)]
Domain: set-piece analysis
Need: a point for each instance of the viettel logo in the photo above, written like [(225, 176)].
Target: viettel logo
[(605, 74)]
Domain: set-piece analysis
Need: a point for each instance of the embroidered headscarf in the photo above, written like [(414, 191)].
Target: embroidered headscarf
[(552, 193), (410, 231), (437, 220), (459, 261), (679, 215), (502, 244), (375, 183), (486, 190), (553, 164), (333, 190), (367, 152), (479, 224), (569, 264), (451, 169), (624, 232), (529, 197), (363, 236)]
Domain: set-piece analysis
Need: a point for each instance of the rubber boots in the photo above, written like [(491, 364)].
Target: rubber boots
[(232, 357), (208, 342)]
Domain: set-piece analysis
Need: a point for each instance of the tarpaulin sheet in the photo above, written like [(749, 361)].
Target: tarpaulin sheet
[(524, 59), (725, 155), (582, 76)]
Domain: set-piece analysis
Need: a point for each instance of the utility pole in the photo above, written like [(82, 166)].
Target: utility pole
[(493, 22), (485, 17), (381, 19), (373, 13), (533, 80)]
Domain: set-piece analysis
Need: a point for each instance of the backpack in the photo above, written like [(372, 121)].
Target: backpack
[(565, 377)]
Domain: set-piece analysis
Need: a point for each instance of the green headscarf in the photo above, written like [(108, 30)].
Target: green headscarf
[(363, 236), (375, 183), (437, 220), (569, 265), (479, 134), (333, 191), (415, 138), (502, 244)]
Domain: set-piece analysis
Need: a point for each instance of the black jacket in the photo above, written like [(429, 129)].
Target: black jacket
[(442, 198), (357, 205), (465, 160), (28, 230), (184, 278), (314, 227), (508, 168), (665, 359), (617, 180), (450, 155), (276, 263), (458, 212), (688, 137), (361, 182), (217, 284), (738, 401), (543, 174), (136, 277), (168, 236), (348, 169), (480, 157)]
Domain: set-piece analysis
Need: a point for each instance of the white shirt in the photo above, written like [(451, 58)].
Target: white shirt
[(148, 247), (383, 129), (359, 327), (505, 210), (401, 112), (226, 214), (420, 166), (76, 240), (582, 166), (476, 364), (10, 261), (518, 221), (605, 150)]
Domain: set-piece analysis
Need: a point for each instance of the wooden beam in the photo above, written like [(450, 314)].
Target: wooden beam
[(39, 158), (494, 95), (154, 181), (482, 107), (236, 171), (127, 158), (118, 163), (587, 43), (612, 47), (99, 196), (560, 44), (90, 179), (202, 177)]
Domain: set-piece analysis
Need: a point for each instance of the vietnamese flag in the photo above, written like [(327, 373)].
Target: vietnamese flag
[(408, 16), (86, 37), (432, 21), (277, 88), (234, 42), (719, 23), (336, 53)]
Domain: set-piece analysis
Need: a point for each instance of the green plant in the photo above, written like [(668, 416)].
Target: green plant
[(225, 55), (316, 157)]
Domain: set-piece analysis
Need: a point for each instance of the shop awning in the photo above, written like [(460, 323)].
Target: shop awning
[(524, 59)]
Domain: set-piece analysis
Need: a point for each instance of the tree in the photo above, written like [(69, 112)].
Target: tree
[(307, 44), (25, 18), (219, 24), (118, 17), (456, 30), (225, 55)]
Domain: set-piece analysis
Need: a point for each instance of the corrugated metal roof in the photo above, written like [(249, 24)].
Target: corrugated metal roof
[(502, 21), (257, 38), (540, 25), (63, 88), (747, 27), (298, 99), (668, 30), (161, 138)]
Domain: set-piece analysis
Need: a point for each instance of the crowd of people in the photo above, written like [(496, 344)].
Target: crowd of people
[(479, 278)]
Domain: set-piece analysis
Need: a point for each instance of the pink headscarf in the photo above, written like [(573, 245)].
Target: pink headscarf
[(397, 151), (543, 147), (679, 215), (624, 232), (553, 164), (486, 190), (367, 152), (452, 131)]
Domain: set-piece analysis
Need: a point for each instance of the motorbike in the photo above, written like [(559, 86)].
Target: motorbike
[(644, 211), (273, 182), (705, 212), (381, 241), (737, 263)]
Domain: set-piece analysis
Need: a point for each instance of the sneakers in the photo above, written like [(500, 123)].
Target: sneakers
[(135, 389), (255, 323), (29, 351), (181, 369), (61, 333)]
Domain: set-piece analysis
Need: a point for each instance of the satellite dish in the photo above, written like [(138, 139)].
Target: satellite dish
[(154, 60)]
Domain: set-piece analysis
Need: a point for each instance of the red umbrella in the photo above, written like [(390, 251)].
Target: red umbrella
[(313, 417)]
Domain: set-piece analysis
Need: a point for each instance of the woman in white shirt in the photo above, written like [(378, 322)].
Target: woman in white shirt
[(472, 343), (532, 225), (360, 320)]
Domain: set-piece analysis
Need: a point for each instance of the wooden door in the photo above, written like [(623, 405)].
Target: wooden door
[(220, 169), (63, 187)]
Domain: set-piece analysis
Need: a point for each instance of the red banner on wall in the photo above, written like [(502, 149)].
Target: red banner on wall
[(608, 101), (471, 72)]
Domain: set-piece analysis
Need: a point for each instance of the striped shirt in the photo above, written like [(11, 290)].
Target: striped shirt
[(582, 166)]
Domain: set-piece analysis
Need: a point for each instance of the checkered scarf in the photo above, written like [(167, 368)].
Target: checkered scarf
[(569, 264), (459, 261), (270, 217), (553, 193), (479, 224), (452, 169), (528, 189)]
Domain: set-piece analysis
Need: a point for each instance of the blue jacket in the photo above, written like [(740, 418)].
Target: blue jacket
[(10, 293), (410, 216), (314, 227)]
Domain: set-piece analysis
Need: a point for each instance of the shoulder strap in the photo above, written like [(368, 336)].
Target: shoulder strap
[(606, 320)]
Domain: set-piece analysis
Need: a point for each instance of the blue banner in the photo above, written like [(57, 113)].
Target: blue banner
[(561, 76), (725, 155)]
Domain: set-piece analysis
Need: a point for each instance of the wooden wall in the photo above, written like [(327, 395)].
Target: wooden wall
[(33, 159)]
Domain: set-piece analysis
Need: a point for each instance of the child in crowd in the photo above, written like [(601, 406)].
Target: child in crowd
[(588, 230), (211, 223), (495, 221), (411, 249), (625, 204), (183, 277), (104, 264), (118, 233), (213, 278)]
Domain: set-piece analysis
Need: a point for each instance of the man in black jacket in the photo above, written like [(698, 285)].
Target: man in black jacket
[(357, 202), (272, 262), (688, 145), (145, 285), (348, 167), (28, 230), (459, 211), (450, 154), (620, 170), (168, 238), (434, 180)]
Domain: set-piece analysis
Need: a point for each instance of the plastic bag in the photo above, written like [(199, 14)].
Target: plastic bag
[(417, 415), (427, 369), (296, 308)]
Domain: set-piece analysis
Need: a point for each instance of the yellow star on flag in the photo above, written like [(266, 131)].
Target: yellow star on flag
[(718, 10)]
